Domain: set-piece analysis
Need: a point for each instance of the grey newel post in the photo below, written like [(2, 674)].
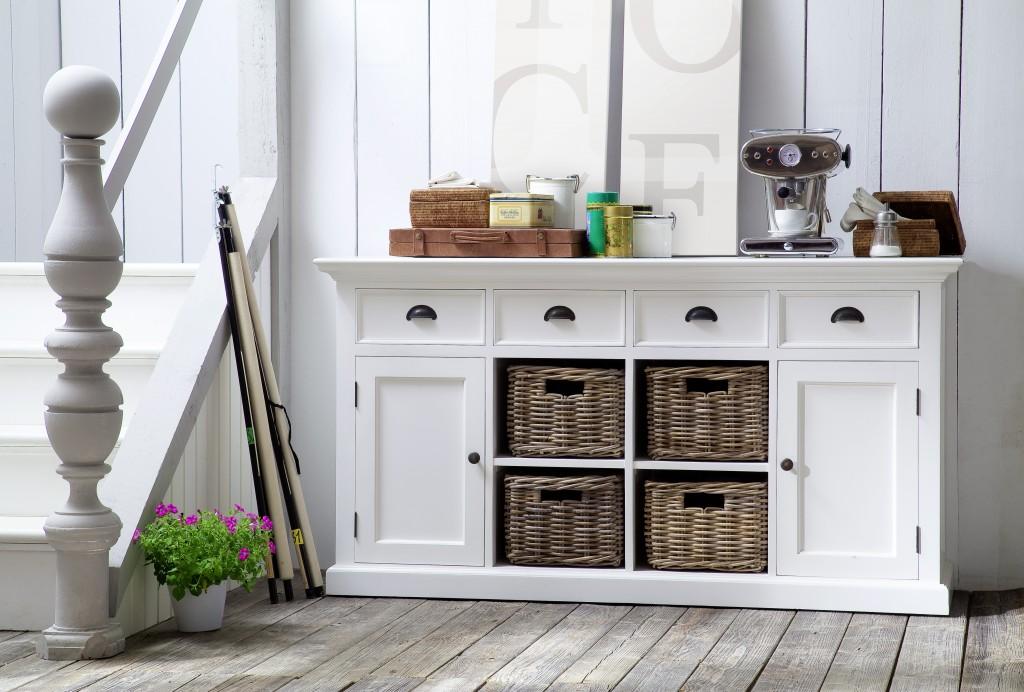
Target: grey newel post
[(83, 408)]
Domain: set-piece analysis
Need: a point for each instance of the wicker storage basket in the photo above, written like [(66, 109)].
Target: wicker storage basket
[(569, 412), (718, 412), (721, 526), (564, 520)]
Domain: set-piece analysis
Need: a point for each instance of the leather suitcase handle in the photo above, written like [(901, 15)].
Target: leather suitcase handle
[(475, 238)]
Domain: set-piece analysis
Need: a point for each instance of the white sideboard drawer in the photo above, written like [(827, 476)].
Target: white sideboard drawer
[(404, 316), (701, 318), (580, 318), (848, 319)]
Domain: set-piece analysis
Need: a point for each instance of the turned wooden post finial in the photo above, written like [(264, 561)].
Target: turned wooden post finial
[(83, 408)]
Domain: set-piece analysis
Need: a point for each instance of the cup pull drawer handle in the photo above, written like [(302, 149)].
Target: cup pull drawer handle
[(701, 312), (847, 314), (559, 312), (421, 312)]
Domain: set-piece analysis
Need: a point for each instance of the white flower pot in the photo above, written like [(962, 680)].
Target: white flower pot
[(201, 613)]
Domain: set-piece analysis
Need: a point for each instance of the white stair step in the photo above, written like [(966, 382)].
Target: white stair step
[(26, 380), (143, 311), (28, 568)]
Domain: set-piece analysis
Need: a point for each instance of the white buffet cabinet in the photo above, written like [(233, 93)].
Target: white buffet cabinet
[(862, 404)]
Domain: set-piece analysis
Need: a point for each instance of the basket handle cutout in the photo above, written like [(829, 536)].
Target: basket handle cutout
[(705, 386), (561, 496), (703, 501), (563, 387)]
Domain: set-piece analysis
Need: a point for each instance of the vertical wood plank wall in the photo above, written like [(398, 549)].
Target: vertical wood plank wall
[(925, 91), (165, 210)]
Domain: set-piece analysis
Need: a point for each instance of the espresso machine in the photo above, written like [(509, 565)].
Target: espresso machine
[(795, 165)]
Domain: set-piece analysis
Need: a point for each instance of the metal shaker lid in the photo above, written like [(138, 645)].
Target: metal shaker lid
[(887, 215)]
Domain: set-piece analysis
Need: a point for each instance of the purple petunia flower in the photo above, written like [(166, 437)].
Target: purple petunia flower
[(161, 510), (273, 547), (136, 535), (231, 523), (243, 554), (191, 519), (239, 508), (171, 509), (251, 517), (266, 524)]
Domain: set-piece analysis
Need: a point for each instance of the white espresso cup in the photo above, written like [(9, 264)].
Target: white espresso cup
[(793, 220)]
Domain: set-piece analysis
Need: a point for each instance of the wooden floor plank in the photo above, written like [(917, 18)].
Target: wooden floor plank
[(548, 657), (802, 658), (8, 634), (994, 657), (492, 652), (932, 652), (865, 659), (27, 669), (324, 644), (608, 661), (738, 657), (448, 641), (18, 646), (225, 682), (673, 659), (390, 684), (359, 660)]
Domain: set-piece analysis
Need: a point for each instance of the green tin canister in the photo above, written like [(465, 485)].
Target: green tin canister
[(596, 203), (618, 228)]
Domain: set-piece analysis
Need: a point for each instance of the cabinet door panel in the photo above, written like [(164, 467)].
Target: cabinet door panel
[(418, 498), (848, 506)]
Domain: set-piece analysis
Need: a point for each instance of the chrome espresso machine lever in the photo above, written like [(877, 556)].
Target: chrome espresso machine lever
[(795, 165)]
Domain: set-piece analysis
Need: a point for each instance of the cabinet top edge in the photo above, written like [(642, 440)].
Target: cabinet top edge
[(348, 270)]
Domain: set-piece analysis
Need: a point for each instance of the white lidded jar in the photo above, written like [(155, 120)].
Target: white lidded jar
[(652, 234), (886, 240), (563, 190)]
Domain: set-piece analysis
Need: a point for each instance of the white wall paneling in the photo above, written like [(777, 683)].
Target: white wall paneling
[(35, 51), (152, 195), (209, 118), (323, 128), (921, 95), (551, 70), (393, 146), (844, 90), (462, 87), (680, 117), (7, 174), (772, 90), (991, 379)]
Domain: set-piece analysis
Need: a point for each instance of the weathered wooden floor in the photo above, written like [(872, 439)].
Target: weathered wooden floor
[(401, 644)]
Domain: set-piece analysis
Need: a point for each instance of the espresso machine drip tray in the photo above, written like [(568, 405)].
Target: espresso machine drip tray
[(796, 247)]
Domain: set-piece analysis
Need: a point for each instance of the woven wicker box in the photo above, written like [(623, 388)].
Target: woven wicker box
[(455, 207), (708, 413), (720, 526), (565, 412), (564, 520)]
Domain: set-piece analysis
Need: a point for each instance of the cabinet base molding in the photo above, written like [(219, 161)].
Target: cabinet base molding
[(510, 583)]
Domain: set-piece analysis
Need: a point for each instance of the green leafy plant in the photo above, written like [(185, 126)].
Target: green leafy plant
[(192, 553)]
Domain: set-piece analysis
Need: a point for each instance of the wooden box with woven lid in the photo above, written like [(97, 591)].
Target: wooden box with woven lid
[(450, 207)]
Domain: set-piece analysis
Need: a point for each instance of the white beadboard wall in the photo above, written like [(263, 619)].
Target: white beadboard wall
[(165, 212), (925, 91)]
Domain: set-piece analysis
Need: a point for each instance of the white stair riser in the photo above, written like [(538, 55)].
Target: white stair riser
[(143, 310), (31, 486), (28, 582), (26, 380)]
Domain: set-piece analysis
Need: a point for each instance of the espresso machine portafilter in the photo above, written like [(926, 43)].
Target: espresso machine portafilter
[(795, 165)]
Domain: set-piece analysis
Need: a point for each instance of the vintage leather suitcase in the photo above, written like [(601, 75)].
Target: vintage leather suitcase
[(487, 242)]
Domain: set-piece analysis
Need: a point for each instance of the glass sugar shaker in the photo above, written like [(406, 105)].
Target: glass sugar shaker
[(886, 241)]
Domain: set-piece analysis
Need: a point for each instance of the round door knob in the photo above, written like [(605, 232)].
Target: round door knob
[(787, 464), (474, 458)]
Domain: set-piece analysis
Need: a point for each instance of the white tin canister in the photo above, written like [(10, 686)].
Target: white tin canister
[(652, 235), (563, 190)]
